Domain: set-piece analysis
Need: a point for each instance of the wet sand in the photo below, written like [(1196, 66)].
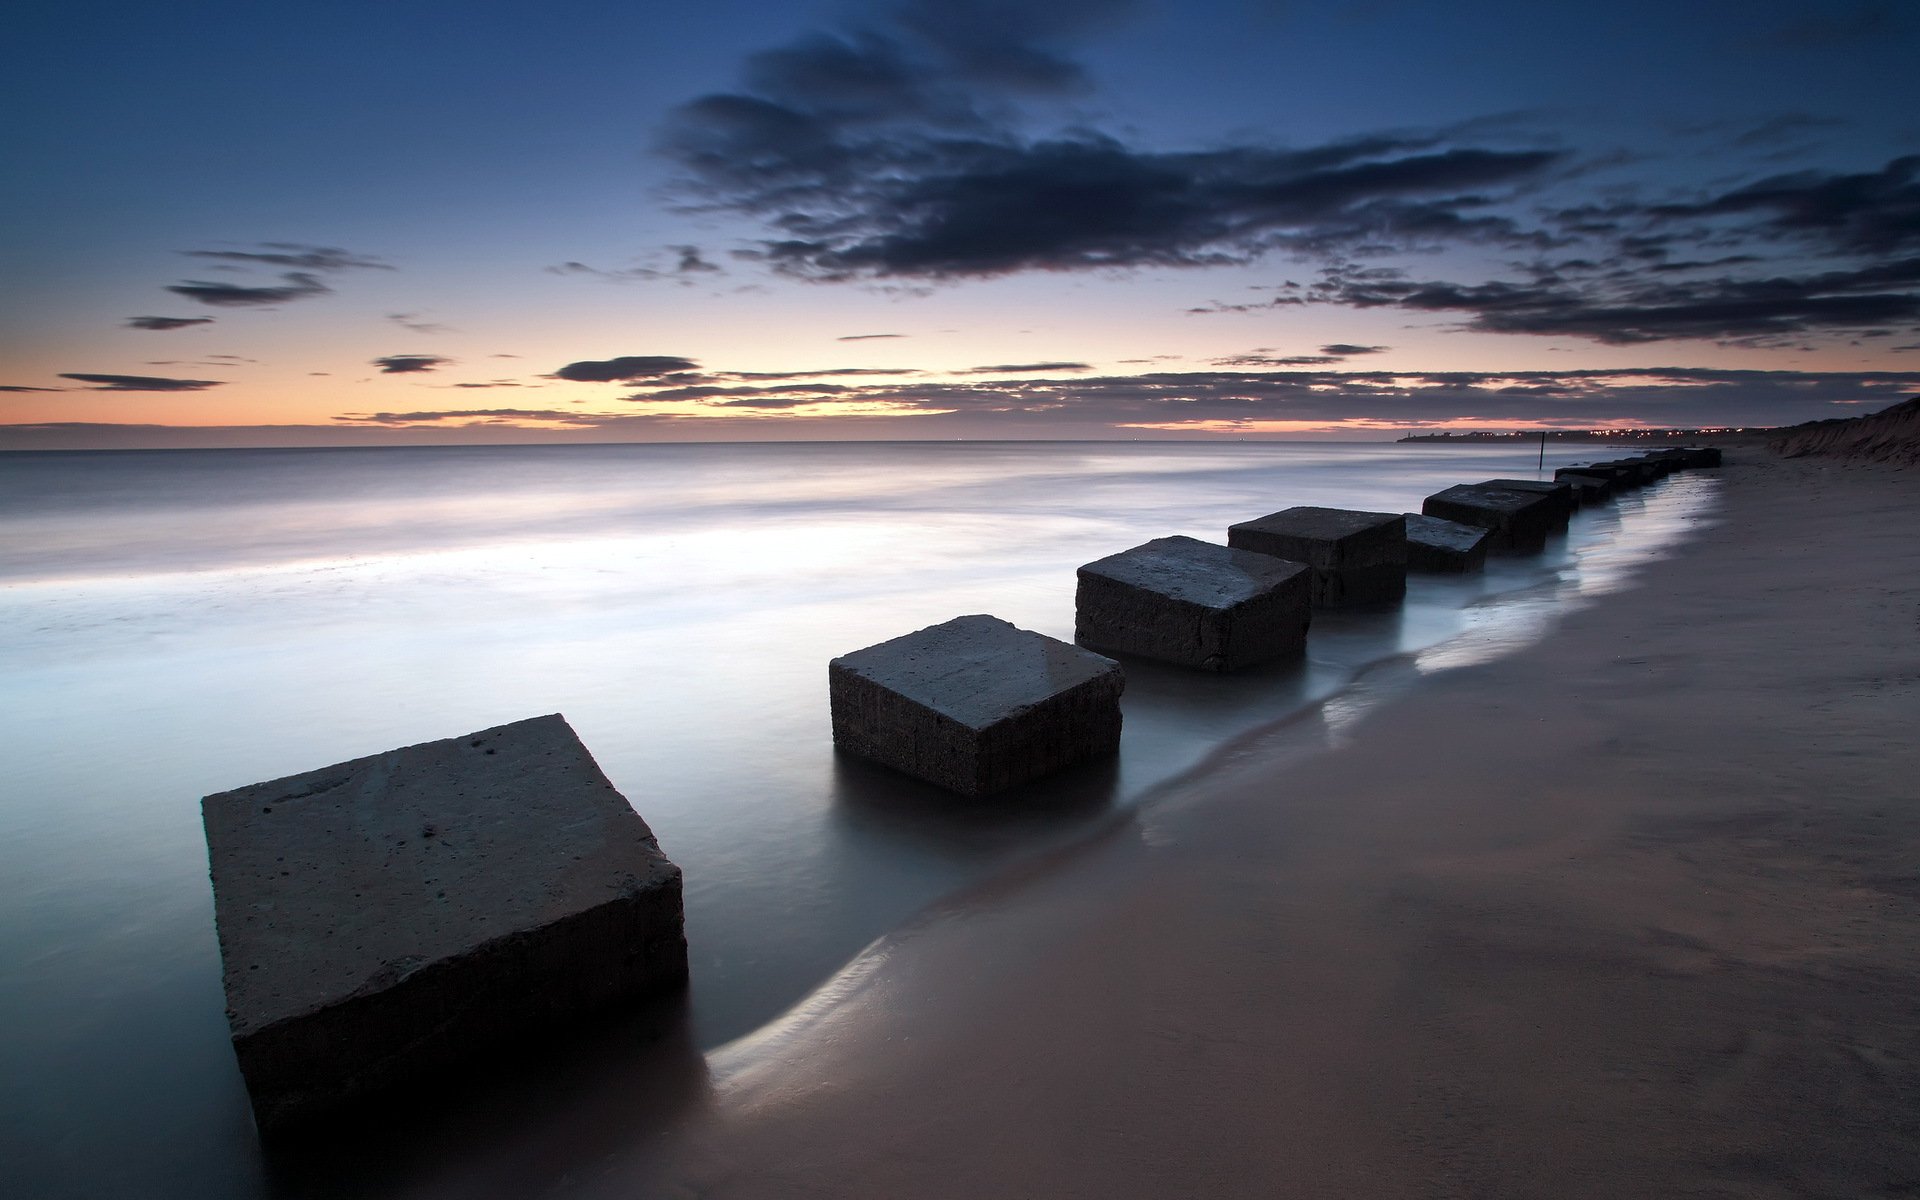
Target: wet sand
[(1635, 912)]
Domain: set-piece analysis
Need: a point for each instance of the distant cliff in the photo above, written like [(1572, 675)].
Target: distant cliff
[(1890, 435)]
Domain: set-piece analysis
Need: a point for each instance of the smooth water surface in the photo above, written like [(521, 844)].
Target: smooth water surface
[(179, 623)]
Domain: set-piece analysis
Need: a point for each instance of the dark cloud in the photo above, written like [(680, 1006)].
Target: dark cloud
[(1754, 310), (297, 256), (868, 337), (1026, 368), (409, 364), (463, 414), (625, 369), (414, 322), (1348, 350), (162, 324), (887, 151), (140, 383), (497, 383), (17, 388), (299, 286), (1868, 212)]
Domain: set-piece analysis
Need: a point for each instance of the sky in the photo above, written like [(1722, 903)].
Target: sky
[(235, 223)]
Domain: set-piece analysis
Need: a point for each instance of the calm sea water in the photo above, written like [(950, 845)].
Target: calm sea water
[(178, 623)]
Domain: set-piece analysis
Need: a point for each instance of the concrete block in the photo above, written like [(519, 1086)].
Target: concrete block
[(1442, 546), (1520, 522), (1591, 484), (396, 914), (1357, 557), (1195, 604), (1559, 494), (1623, 476), (975, 705)]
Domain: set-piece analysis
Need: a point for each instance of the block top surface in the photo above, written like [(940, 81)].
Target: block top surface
[(1538, 486), (1492, 498), (1320, 524), (977, 670), (346, 879), (1437, 531), (1189, 569)]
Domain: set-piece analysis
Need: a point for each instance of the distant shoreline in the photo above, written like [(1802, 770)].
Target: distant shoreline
[(1610, 437)]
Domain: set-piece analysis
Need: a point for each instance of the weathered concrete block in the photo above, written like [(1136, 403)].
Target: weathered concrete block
[(975, 705), (1559, 494), (1588, 491), (1591, 485), (1623, 476), (1185, 601), (1444, 546), (1357, 557), (1519, 521), (384, 917)]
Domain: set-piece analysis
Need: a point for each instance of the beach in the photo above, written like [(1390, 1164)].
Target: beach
[(1632, 912)]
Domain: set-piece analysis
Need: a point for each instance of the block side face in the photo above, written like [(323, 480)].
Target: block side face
[(974, 670), (329, 883), (1119, 618), (880, 724), (1350, 587), (440, 1014), (1519, 521), (1444, 546), (1077, 724), (1267, 629)]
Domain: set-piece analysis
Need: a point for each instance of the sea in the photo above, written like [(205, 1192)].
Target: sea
[(177, 623)]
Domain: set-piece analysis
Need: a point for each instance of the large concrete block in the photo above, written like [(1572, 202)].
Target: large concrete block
[(1519, 521), (1559, 494), (389, 916), (1357, 557), (1446, 547), (975, 705), (1185, 601)]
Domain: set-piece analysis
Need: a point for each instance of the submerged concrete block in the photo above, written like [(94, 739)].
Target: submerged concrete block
[(1442, 546), (1519, 521), (1193, 603), (399, 913), (1357, 557), (975, 705)]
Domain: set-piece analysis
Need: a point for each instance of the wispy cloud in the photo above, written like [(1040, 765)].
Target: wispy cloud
[(417, 323), (164, 324), (139, 383), (299, 285), (296, 255), (1224, 400), (1027, 368)]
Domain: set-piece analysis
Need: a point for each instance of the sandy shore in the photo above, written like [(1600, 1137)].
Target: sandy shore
[(1633, 913)]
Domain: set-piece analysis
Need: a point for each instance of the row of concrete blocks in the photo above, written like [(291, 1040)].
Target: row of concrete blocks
[(975, 705), (386, 918)]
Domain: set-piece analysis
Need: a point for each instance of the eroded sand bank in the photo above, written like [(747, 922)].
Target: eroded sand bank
[(1635, 912)]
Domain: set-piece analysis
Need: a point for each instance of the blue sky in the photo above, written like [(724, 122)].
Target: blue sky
[(241, 224)]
